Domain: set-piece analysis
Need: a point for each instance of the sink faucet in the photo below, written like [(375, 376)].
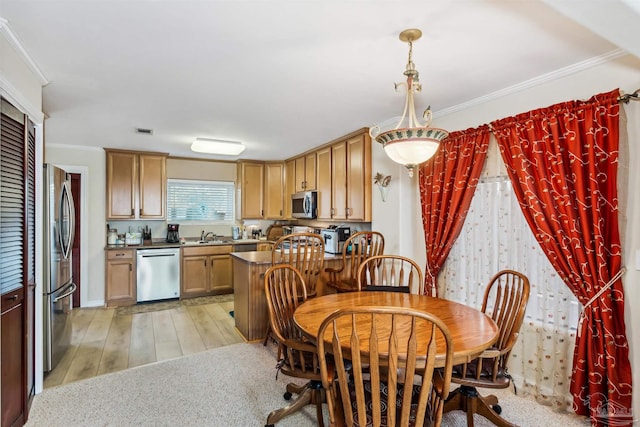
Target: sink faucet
[(203, 235)]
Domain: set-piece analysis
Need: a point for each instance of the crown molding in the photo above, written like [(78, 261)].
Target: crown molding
[(536, 81), (11, 93), (13, 40)]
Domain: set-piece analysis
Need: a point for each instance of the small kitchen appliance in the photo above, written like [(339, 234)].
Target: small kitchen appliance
[(334, 238), (235, 232), (304, 204), (172, 233)]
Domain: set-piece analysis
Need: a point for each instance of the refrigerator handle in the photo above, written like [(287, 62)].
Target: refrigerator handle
[(72, 289), (66, 242)]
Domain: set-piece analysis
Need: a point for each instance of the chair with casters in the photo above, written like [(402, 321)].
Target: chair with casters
[(505, 300), (284, 290), (393, 273), (382, 367), (358, 247), (305, 252)]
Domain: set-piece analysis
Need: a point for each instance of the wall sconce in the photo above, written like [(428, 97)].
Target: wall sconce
[(382, 182)]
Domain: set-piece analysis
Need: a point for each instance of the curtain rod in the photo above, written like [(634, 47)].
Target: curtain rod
[(635, 96)]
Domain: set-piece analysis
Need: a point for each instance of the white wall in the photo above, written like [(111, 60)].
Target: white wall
[(623, 73)]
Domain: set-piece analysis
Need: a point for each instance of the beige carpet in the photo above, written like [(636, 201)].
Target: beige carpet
[(228, 386)]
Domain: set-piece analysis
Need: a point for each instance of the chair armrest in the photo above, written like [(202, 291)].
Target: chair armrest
[(333, 273)]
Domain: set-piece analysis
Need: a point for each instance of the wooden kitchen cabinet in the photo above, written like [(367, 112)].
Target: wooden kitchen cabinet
[(206, 270), (120, 280), (136, 185), (274, 191), (358, 183), (344, 179), (262, 190), (305, 172), (323, 157), (289, 185), (251, 179)]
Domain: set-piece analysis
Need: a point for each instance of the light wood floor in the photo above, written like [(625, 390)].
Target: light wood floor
[(107, 340)]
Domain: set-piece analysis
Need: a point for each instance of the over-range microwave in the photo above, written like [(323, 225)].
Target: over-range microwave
[(304, 204)]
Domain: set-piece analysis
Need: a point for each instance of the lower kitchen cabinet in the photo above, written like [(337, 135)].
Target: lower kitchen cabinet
[(206, 270), (121, 277)]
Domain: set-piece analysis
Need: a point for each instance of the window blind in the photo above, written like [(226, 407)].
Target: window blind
[(200, 201)]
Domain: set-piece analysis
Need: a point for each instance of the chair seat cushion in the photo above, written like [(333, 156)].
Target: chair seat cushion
[(383, 403)]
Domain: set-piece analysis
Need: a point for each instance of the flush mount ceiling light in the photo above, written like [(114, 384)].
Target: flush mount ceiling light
[(409, 142), (217, 146)]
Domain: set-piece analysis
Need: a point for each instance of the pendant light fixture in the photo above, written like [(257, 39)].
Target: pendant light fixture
[(411, 141)]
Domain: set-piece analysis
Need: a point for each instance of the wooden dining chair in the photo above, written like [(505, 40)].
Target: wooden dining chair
[(379, 372), (305, 252), (505, 300), (393, 273), (356, 249), (284, 290)]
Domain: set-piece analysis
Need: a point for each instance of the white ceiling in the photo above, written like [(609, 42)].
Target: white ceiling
[(286, 76)]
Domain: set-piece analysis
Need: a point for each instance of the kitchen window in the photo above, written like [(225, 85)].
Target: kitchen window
[(200, 201)]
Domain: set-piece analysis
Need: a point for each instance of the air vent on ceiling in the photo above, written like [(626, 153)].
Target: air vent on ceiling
[(144, 131)]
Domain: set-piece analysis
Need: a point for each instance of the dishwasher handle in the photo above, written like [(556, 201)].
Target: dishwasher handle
[(155, 255)]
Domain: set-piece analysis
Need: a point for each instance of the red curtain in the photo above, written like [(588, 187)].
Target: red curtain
[(562, 161), (447, 182)]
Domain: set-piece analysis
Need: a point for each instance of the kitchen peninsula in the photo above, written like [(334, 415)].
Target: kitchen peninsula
[(250, 304)]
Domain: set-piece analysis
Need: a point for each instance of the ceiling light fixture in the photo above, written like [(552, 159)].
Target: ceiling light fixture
[(217, 146), (410, 142)]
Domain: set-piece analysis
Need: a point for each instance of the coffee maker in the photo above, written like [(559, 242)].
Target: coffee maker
[(172, 233)]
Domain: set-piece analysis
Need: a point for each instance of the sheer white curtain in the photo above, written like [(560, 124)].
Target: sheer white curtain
[(496, 236)]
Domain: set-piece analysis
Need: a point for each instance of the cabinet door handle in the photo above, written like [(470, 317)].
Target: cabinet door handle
[(130, 267), (133, 212), (280, 212), (205, 262), (12, 297)]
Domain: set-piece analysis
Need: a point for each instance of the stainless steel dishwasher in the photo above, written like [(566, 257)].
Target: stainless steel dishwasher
[(158, 274)]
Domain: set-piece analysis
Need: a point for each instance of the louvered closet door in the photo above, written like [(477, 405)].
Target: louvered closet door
[(17, 263)]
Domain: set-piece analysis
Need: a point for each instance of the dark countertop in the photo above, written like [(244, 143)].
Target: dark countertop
[(162, 244)]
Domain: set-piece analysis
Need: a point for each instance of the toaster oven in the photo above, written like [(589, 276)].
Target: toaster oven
[(334, 239)]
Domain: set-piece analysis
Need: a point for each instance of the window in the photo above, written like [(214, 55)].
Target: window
[(200, 201)]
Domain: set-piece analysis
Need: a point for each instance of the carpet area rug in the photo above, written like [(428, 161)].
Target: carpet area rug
[(170, 304), (234, 385)]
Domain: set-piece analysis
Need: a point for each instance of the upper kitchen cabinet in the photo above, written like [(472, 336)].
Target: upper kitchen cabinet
[(251, 181), (323, 157), (345, 193), (262, 189), (274, 191), (289, 185), (305, 172), (136, 185)]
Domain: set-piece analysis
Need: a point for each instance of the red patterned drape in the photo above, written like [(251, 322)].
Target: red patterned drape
[(447, 183), (562, 161)]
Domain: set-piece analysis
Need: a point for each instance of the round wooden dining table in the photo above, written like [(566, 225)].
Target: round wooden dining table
[(472, 331)]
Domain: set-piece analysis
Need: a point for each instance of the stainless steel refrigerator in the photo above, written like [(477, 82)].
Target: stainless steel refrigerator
[(59, 227)]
